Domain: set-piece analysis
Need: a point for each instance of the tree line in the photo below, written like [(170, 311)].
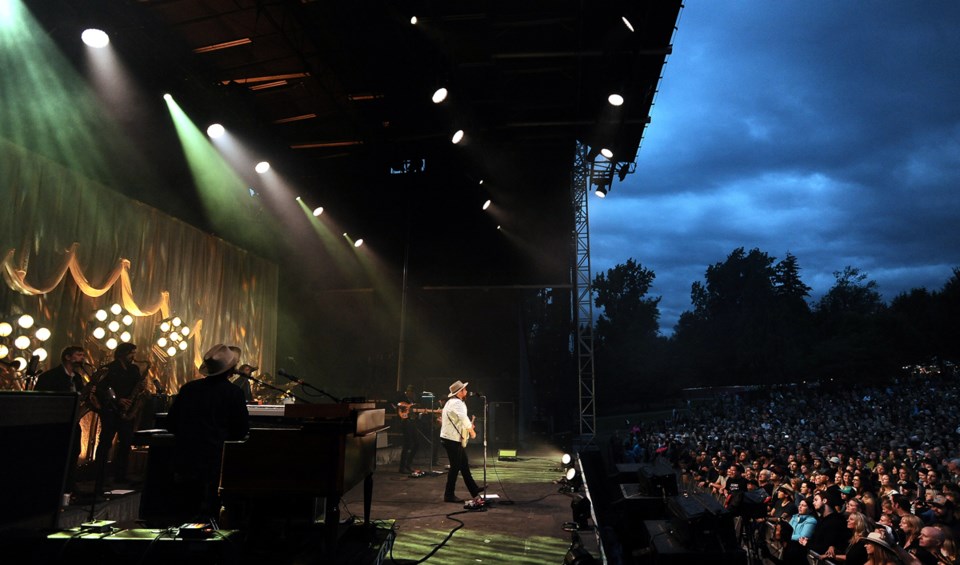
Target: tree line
[(753, 322)]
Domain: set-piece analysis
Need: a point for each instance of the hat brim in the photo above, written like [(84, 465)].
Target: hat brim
[(456, 392)]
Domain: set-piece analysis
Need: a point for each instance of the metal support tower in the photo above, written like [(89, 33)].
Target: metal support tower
[(583, 291)]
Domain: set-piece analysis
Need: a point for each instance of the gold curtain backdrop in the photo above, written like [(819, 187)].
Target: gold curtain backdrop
[(66, 242)]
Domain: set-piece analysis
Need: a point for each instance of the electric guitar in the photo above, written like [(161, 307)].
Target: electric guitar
[(404, 409), (465, 432)]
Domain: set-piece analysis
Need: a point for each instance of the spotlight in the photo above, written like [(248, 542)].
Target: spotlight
[(358, 242), (317, 211), (25, 321), (413, 20), (457, 137), (22, 342), (606, 153), (580, 506), (602, 191), (215, 131), (116, 309), (439, 96), (5, 329), (262, 167), (627, 23), (487, 204), (168, 98), (43, 334), (615, 99), (95, 38)]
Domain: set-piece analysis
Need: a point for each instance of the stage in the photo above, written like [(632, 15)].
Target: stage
[(522, 522)]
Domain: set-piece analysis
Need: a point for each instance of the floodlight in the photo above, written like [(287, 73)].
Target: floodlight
[(215, 131), (317, 211), (440, 95), (262, 167), (95, 38), (25, 321), (457, 137), (615, 99)]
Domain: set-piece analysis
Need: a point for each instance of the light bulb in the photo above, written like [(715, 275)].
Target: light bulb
[(99, 333), (116, 309), (101, 315), (43, 334), (112, 343), (25, 321)]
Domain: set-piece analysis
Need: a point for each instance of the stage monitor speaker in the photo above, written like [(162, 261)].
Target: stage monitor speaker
[(36, 434), (700, 521), (658, 479)]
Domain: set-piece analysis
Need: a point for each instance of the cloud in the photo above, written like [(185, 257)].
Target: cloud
[(827, 130)]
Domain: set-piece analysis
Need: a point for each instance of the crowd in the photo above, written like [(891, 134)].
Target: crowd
[(855, 474)]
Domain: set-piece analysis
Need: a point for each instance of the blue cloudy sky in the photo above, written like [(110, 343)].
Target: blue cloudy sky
[(826, 129)]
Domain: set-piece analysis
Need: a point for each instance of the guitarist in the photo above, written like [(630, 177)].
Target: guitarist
[(115, 398), (408, 427), (456, 426), (67, 377)]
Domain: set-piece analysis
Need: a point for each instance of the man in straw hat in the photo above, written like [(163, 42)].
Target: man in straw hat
[(454, 427), (206, 413)]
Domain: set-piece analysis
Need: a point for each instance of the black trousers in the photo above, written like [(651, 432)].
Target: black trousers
[(459, 465), (410, 444)]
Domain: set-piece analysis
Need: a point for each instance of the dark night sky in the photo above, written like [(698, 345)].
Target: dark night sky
[(829, 130)]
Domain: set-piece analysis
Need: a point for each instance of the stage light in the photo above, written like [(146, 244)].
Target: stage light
[(25, 321), (627, 23), (215, 131), (262, 167), (615, 99), (5, 329), (439, 96), (22, 342), (101, 315), (21, 363), (4, 351), (171, 351), (127, 320), (317, 211), (606, 153), (570, 474), (168, 98), (580, 507), (116, 309), (112, 344), (487, 204), (183, 346), (125, 337), (457, 137), (507, 455), (185, 331), (113, 326), (176, 321), (602, 191), (164, 326), (358, 243), (95, 38), (99, 333), (162, 341), (413, 20), (41, 353), (566, 459), (623, 171)]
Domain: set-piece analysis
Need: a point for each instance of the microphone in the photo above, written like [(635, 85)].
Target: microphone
[(471, 393), (288, 376)]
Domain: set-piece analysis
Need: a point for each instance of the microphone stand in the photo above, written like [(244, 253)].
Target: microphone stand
[(276, 388), (305, 384), (484, 446)]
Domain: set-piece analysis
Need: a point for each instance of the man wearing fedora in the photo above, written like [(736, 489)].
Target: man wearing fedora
[(454, 424), (205, 413)]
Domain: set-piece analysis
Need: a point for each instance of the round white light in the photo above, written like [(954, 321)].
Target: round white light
[(21, 363), (165, 327), (458, 136), (176, 322), (566, 459), (487, 204), (5, 329), (627, 23), (171, 351), (25, 321), (318, 210), (571, 473), (95, 38), (127, 320), (183, 346), (101, 315), (606, 153), (116, 309), (262, 167), (43, 334), (113, 326), (439, 96), (185, 330), (413, 20), (41, 353), (358, 242), (162, 341), (111, 344), (99, 333), (4, 351), (615, 100), (125, 337), (174, 336), (601, 193), (215, 131), (22, 342)]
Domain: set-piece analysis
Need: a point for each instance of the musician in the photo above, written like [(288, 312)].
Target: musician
[(118, 396), (242, 380), (67, 377), (455, 426), (408, 427), (205, 413)]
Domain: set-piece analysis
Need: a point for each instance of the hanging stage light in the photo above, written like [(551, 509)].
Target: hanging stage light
[(439, 95), (95, 38), (602, 191)]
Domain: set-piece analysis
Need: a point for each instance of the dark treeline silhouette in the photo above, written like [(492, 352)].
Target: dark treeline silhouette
[(753, 322)]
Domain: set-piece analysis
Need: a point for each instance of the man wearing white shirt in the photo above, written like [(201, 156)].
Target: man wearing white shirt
[(455, 426)]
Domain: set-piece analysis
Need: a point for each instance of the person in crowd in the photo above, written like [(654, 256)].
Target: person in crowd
[(931, 546), (118, 397), (206, 413), (802, 525), (860, 527), (880, 551), (910, 527), (67, 377), (456, 427), (830, 536), (783, 506)]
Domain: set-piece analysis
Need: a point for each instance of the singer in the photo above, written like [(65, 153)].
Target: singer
[(66, 377), (455, 427), (205, 413), (242, 380), (117, 397)]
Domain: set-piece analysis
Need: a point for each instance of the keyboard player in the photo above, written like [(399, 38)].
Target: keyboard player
[(206, 413)]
